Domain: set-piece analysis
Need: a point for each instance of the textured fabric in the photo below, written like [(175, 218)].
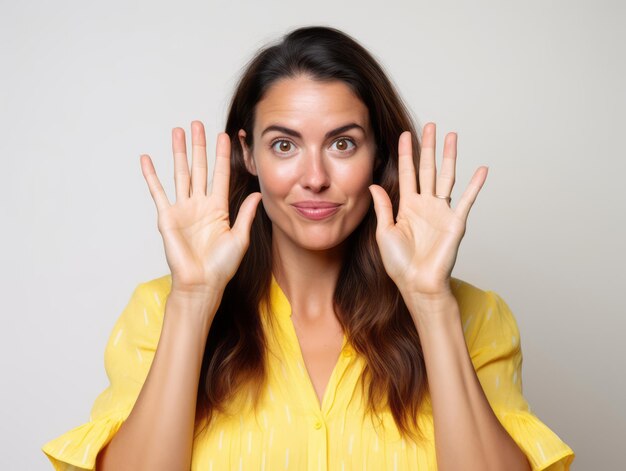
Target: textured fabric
[(291, 430)]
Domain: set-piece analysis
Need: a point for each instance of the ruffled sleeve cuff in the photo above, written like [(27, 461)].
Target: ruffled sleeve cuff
[(544, 449), (79, 447)]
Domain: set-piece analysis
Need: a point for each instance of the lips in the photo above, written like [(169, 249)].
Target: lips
[(316, 210), (315, 204)]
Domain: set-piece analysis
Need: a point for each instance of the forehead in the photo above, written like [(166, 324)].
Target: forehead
[(306, 104)]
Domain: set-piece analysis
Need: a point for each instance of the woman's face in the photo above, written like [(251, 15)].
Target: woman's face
[(313, 154)]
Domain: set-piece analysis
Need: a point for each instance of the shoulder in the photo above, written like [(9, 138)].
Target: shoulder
[(483, 313), (151, 294), (143, 314), (159, 288)]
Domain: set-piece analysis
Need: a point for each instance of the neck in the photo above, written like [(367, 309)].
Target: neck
[(307, 277)]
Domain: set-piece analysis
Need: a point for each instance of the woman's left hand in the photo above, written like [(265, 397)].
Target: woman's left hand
[(419, 250)]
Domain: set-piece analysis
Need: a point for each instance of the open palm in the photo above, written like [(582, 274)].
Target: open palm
[(202, 250), (420, 248)]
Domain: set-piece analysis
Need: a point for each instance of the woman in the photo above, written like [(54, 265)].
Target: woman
[(320, 329)]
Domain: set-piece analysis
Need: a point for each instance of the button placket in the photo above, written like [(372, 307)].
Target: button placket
[(318, 445)]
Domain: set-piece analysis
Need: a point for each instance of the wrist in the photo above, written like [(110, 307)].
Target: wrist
[(197, 290), (196, 294), (425, 288), (430, 310), (431, 299), (197, 305)]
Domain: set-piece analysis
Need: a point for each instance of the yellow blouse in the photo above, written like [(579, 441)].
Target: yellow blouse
[(291, 431)]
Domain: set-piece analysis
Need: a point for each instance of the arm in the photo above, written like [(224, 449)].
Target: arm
[(203, 253), (418, 248), (165, 409), (468, 435), (147, 414)]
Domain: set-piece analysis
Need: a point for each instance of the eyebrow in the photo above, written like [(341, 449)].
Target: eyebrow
[(294, 133)]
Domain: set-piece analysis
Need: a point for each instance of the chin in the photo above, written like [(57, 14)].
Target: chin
[(316, 237), (320, 247), (315, 241)]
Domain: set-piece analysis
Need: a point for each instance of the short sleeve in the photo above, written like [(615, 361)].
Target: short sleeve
[(497, 357), (128, 355)]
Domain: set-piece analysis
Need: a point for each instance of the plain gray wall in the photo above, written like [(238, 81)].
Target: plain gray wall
[(535, 90)]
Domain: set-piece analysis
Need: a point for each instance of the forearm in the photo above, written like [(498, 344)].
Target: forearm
[(158, 433), (468, 435)]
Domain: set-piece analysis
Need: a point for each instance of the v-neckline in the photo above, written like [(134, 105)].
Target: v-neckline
[(281, 304), (307, 375)]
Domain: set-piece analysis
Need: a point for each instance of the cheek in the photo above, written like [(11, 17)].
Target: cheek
[(356, 180), (275, 180), (275, 185)]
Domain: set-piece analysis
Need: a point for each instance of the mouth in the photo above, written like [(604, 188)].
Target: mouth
[(316, 210)]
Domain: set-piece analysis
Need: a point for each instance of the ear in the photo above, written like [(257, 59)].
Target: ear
[(378, 161), (247, 153)]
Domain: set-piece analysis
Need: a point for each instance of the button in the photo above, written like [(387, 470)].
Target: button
[(346, 353), (318, 424)]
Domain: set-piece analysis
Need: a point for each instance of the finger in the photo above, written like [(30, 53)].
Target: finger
[(154, 185), (445, 178), (471, 192), (406, 167), (181, 166), (382, 207), (198, 159), (427, 160), (221, 170), (245, 216)]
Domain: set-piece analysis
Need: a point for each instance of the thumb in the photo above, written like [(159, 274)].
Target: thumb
[(382, 207), (245, 216)]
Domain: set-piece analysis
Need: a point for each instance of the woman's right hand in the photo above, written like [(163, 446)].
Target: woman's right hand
[(202, 250)]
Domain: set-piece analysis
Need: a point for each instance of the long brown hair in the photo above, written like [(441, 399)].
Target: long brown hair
[(368, 304)]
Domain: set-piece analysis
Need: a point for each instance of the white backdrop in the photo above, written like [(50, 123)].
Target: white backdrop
[(534, 89)]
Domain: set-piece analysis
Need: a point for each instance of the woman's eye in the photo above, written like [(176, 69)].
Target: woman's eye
[(343, 144), (283, 147)]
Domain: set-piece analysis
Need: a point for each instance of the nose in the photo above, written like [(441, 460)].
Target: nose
[(314, 174)]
